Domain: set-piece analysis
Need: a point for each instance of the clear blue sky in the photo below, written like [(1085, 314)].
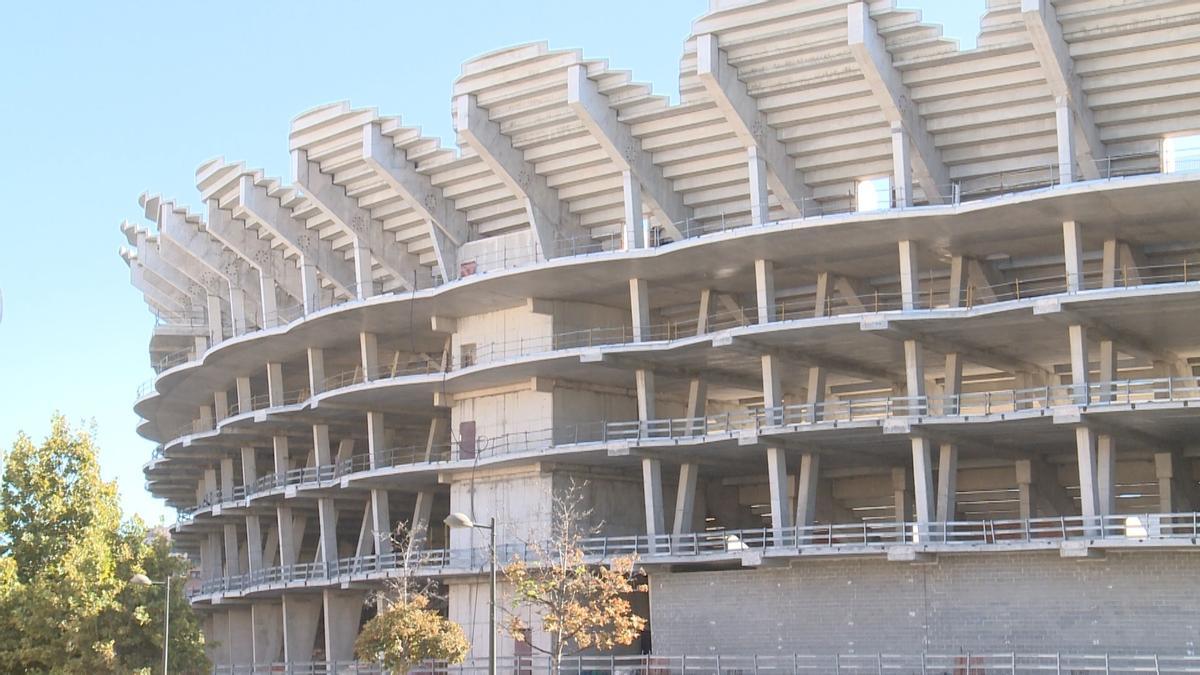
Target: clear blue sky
[(100, 101)]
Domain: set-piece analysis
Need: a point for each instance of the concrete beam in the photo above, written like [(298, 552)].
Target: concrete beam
[(595, 111), (749, 124), (1054, 55), (273, 269), (870, 53), (448, 226)]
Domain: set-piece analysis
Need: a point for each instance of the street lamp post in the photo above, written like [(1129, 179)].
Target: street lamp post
[(143, 580), (462, 521)]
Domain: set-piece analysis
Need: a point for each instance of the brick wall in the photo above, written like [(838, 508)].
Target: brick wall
[(1031, 602)]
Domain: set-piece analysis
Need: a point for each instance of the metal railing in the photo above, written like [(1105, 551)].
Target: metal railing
[(831, 539)]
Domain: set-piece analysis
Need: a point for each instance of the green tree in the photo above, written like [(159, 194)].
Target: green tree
[(407, 632), (65, 561)]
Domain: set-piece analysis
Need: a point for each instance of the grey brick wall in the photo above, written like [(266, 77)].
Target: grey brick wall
[(1030, 602)]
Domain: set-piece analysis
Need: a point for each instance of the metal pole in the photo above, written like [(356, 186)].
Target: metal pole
[(492, 615), (167, 626)]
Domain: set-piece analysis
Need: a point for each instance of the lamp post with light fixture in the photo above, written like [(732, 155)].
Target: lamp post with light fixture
[(462, 521), (143, 580)]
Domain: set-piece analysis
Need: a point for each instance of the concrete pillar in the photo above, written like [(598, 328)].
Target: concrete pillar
[(1066, 139), (639, 309), (1164, 472), (363, 278), (704, 311), (901, 166), (230, 541), (821, 295), (644, 380), (914, 374), (1024, 475), (696, 404), (210, 482), (327, 522), (1089, 493), (216, 332), (764, 286), (634, 233), (922, 462), (437, 431), (419, 528), (376, 440), (267, 622), (1108, 265), (1080, 366), (316, 370), (254, 544), (947, 494), (958, 282), (381, 521), (216, 567), (777, 481), (270, 306), (227, 483), (1108, 370), (301, 612), (366, 532), (910, 287), (653, 498), (900, 501), (685, 498), (760, 205), (953, 384), (244, 395), (806, 489), (310, 286), (204, 420), (220, 405), (369, 347), (220, 628), (816, 393), (1073, 255), (772, 388), (1106, 474), (343, 612), (241, 636), (237, 310), (275, 384)]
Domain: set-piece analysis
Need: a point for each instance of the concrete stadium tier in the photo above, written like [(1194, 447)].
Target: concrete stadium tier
[(869, 345)]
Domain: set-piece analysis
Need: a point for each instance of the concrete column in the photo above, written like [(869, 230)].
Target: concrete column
[(696, 404), (1066, 139), (953, 384), (1106, 474), (381, 521), (772, 388), (777, 481), (199, 344), (1079, 363), (254, 544), (816, 393), (901, 166), (914, 373), (806, 489), (821, 295), (230, 541), (267, 621), (241, 636), (301, 612), (362, 269), (958, 281), (366, 532), (644, 380), (705, 309), (316, 370), (1164, 472), (220, 628), (947, 495), (653, 498), (343, 612), (244, 395), (420, 521), (1073, 255), (639, 309), (376, 439), (227, 479), (922, 462), (237, 310), (369, 347), (437, 431), (210, 481), (1108, 370), (270, 307), (216, 332), (275, 384), (1108, 271), (1089, 493), (1024, 471), (205, 418), (900, 501), (634, 233), (764, 286), (310, 286), (220, 405), (760, 205), (685, 498), (910, 288), (215, 555)]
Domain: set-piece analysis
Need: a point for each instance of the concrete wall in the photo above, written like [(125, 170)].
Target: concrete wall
[(1021, 601)]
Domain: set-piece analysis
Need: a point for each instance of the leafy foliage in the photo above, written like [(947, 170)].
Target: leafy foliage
[(407, 632), (65, 561), (582, 606)]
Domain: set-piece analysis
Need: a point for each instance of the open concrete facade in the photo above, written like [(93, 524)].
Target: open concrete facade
[(953, 413)]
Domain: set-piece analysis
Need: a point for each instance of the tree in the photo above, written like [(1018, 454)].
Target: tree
[(580, 605), (408, 631), (65, 560)]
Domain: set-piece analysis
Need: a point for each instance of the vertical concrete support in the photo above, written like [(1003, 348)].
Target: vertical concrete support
[(227, 479), (777, 481), (220, 628), (326, 514), (764, 286), (685, 498), (947, 494), (821, 296), (244, 395), (343, 612), (901, 167), (254, 543), (653, 498), (634, 232), (696, 404), (816, 393), (220, 405), (437, 431), (237, 310), (1108, 265), (1024, 475), (953, 384), (205, 418), (772, 388), (381, 521), (1079, 363), (1106, 474), (301, 612), (1108, 370), (420, 521), (270, 305), (1073, 255), (914, 375), (241, 636), (705, 310), (369, 346), (267, 620), (210, 482), (284, 524), (215, 331), (760, 206), (310, 286), (214, 555), (316, 370), (639, 309), (922, 464), (233, 565), (901, 504), (1164, 472), (364, 281), (275, 384), (958, 282), (806, 489), (909, 282), (376, 439), (1065, 120), (366, 533), (644, 380), (1089, 493)]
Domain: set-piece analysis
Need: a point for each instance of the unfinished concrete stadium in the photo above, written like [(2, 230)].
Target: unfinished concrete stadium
[(879, 353)]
